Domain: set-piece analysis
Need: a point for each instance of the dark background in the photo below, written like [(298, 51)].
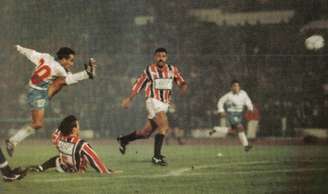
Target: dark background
[(282, 78)]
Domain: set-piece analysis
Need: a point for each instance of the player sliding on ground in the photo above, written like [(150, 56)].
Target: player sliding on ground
[(74, 153), (49, 76), (234, 102), (9, 174), (157, 79)]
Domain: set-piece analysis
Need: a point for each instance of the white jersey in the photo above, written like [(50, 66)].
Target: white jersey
[(235, 102), (46, 70)]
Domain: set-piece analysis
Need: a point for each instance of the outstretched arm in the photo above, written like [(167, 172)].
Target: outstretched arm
[(137, 87), (94, 160), (248, 102), (221, 102), (31, 54)]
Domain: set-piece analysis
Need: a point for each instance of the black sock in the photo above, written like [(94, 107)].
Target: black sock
[(158, 144), (130, 137), (51, 163), (5, 170)]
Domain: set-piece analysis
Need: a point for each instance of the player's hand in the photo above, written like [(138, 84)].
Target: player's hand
[(126, 102), (183, 89), (17, 47)]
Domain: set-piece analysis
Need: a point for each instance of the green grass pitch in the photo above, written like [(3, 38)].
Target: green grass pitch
[(192, 169)]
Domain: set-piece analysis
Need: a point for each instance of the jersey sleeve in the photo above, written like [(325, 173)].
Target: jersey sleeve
[(140, 83), (221, 102), (248, 102), (93, 159), (34, 56), (178, 78)]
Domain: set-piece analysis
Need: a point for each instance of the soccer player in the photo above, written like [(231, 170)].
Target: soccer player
[(74, 153), (9, 174), (234, 102), (157, 79), (49, 76)]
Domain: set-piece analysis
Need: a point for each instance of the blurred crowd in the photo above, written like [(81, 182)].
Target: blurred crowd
[(286, 81)]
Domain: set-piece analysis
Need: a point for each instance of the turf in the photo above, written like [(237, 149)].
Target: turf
[(192, 169)]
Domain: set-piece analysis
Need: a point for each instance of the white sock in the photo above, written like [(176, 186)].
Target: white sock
[(4, 164), (221, 130), (22, 133), (243, 138)]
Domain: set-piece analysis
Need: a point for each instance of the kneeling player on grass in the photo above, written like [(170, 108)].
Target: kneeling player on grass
[(9, 174), (234, 101), (74, 153), (49, 76)]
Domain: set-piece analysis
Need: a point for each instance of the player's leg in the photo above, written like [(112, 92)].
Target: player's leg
[(25, 131), (163, 127), (50, 163), (56, 86), (38, 100), (236, 119), (143, 133), (7, 173), (242, 137)]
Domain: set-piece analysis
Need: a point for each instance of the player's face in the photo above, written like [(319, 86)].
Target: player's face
[(68, 63), (235, 88), (160, 58)]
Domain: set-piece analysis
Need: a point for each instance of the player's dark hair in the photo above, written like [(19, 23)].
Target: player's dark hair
[(235, 82), (64, 52), (67, 125), (160, 50)]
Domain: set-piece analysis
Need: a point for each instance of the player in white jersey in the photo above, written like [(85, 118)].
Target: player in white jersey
[(49, 76), (232, 105)]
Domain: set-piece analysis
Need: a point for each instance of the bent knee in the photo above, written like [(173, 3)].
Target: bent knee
[(37, 125)]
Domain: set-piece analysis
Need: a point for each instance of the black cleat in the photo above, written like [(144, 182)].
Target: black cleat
[(15, 174), (122, 145), (159, 161), (10, 147), (248, 148), (211, 132), (90, 68), (11, 177)]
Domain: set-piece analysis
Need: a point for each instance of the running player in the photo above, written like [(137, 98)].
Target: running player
[(42, 87), (234, 102), (157, 79), (74, 153), (9, 174)]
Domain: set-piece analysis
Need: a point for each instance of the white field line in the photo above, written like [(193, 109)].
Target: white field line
[(181, 171)]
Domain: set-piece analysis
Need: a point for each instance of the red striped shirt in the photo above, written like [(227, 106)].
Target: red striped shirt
[(75, 154), (153, 72)]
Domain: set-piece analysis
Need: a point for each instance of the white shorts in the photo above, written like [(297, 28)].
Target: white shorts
[(155, 106)]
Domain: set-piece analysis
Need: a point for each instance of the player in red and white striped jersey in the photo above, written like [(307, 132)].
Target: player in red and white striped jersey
[(74, 153), (157, 81)]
